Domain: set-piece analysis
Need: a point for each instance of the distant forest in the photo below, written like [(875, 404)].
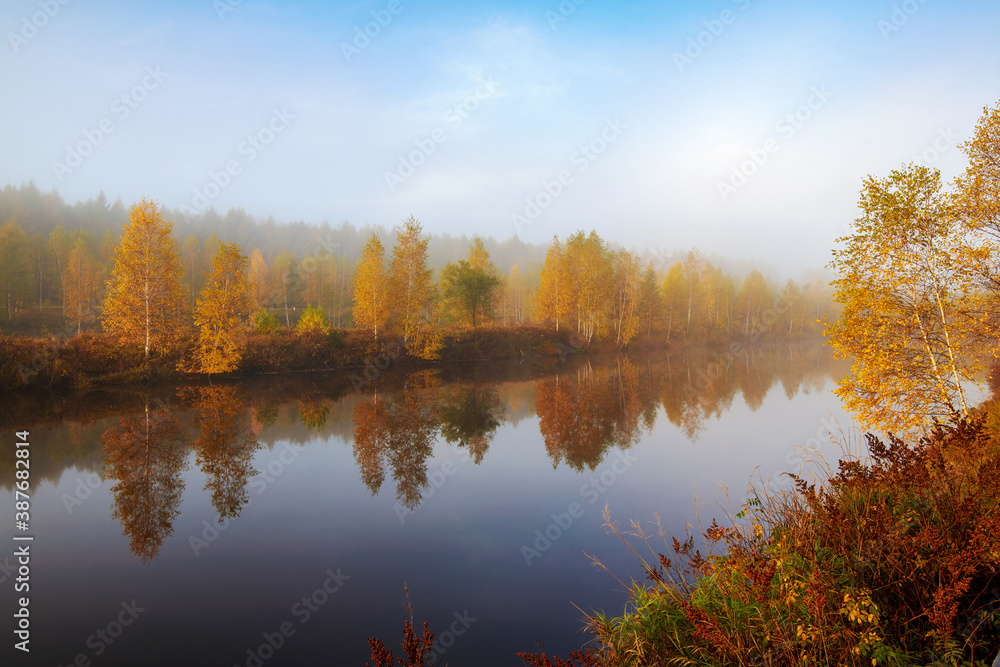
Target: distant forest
[(49, 249)]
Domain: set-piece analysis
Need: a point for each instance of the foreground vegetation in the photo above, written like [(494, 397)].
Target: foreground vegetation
[(892, 562)]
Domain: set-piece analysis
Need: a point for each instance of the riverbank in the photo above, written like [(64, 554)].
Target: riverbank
[(93, 359), (96, 359)]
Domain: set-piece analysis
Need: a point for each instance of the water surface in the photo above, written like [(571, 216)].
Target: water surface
[(211, 517)]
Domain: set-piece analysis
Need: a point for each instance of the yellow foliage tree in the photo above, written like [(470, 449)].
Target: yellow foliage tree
[(145, 299), (371, 294), (754, 300), (692, 268), (591, 296), (978, 189), (222, 311), (14, 268), (913, 316), (578, 287), (516, 297), (673, 295), (552, 302), (410, 287)]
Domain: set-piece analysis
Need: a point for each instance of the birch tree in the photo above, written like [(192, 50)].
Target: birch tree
[(145, 298), (371, 294), (410, 287), (913, 316)]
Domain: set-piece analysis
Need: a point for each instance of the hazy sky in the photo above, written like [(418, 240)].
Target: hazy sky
[(744, 128)]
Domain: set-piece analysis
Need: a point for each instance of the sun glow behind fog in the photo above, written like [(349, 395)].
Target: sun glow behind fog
[(557, 84)]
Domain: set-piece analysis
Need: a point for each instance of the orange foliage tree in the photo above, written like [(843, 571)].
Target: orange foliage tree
[(222, 311), (552, 302), (145, 296)]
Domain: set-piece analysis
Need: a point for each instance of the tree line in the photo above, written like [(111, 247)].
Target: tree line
[(148, 289), (596, 290), (36, 249)]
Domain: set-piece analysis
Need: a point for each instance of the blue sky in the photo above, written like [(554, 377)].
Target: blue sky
[(744, 128)]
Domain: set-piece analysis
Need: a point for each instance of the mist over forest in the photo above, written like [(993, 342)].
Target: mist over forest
[(39, 213)]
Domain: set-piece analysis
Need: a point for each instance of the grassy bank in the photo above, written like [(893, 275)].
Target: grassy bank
[(95, 359)]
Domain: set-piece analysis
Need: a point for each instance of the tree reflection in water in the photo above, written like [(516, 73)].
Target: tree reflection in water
[(582, 415), (398, 431), (585, 410), (144, 454), (226, 447), (469, 417)]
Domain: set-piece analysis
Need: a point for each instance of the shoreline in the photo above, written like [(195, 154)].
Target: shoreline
[(92, 360)]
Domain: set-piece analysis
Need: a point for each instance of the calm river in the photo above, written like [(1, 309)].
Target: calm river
[(276, 521)]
